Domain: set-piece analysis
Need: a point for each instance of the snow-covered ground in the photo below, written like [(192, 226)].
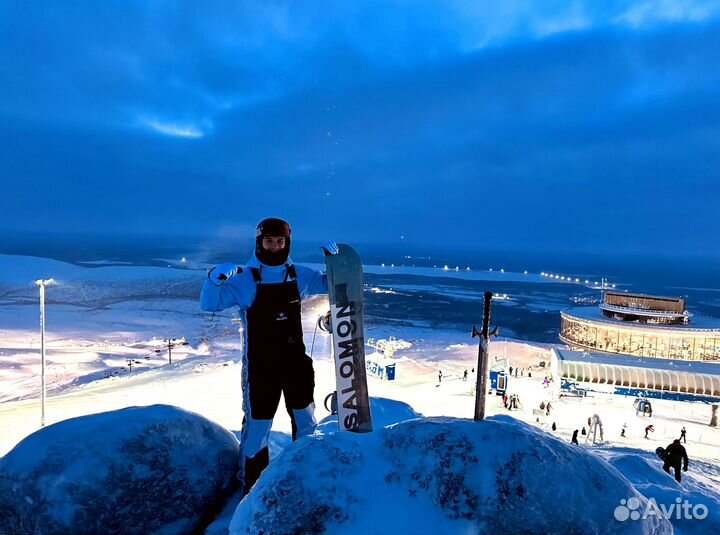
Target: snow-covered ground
[(98, 318)]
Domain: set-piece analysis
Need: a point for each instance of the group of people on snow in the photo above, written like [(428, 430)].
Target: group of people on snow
[(511, 402)]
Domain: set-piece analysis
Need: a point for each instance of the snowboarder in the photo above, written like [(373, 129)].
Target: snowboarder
[(583, 432), (439, 376), (574, 437), (649, 429), (682, 435), (673, 457), (511, 368), (624, 427), (548, 408), (554, 427), (465, 375), (269, 292), (505, 400)]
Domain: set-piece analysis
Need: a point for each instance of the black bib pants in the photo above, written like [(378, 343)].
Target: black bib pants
[(275, 363)]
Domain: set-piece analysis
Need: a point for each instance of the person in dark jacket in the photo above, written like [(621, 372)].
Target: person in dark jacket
[(675, 456), (574, 438), (682, 435)]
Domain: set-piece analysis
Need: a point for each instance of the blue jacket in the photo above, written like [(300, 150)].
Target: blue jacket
[(240, 289)]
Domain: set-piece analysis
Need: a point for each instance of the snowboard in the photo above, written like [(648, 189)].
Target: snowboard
[(345, 286)]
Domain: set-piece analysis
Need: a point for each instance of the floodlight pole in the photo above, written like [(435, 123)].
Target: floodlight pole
[(482, 365), (42, 283), (42, 353)]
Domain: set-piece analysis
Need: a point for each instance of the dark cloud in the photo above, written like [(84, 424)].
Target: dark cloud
[(576, 129)]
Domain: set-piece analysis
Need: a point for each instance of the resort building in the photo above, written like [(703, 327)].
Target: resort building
[(641, 325), (580, 373)]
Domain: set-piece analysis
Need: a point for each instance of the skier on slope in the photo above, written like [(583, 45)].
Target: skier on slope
[(269, 292)]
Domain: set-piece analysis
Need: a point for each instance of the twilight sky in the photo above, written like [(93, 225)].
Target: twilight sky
[(577, 125)]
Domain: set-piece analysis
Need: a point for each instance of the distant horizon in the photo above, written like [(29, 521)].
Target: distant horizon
[(143, 248)]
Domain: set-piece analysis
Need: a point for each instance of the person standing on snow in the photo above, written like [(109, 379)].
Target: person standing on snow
[(682, 435), (574, 439), (649, 429), (624, 427), (269, 292), (673, 457)]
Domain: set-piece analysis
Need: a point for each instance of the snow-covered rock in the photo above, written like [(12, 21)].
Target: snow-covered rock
[(440, 475), (695, 505), (139, 470), (385, 412)]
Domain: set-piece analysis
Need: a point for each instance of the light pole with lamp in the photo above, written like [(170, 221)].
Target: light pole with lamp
[(42, 283)]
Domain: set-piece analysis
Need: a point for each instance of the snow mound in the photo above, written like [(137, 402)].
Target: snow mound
[(384, 413), (647, 476), (156, 469), (439, 475)]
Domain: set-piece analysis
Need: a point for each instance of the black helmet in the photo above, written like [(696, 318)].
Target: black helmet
[(272, 226)]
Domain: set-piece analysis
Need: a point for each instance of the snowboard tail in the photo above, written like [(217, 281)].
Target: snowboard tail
[(345, 285)]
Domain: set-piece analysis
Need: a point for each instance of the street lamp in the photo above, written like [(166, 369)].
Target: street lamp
[(42, 283)]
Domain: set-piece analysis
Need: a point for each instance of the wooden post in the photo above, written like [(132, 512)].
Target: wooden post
[(482, 366)]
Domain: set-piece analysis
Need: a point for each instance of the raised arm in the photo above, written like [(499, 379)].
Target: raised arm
[(225, 286)]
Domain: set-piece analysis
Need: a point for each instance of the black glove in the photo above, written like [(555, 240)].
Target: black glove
[(685, 468)]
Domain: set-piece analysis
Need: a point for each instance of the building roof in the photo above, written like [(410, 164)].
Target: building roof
[(697, 323), (630, 361), (641, 311)]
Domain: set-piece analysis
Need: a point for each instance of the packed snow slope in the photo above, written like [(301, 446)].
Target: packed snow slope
[(100, 318)]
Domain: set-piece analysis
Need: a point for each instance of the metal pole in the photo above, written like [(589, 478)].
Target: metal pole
[(482, 366), (42, 353)]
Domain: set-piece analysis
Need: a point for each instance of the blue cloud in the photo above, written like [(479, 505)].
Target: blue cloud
[(567, 122)]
